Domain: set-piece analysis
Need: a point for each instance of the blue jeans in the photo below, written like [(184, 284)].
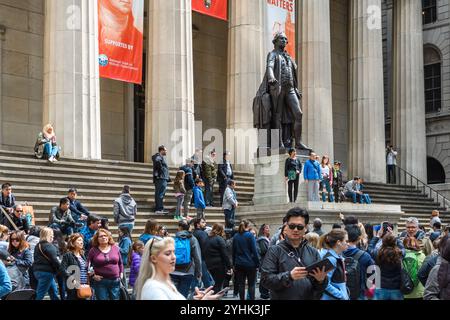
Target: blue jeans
[(388, 294), (365, 198), (65, 229), (229, 215), (160, 192), (179, 204), (351, 195), (206, 277), (106, 289), (45, 283), (327, 186), (130, 226), (183, 283), (52, 151)]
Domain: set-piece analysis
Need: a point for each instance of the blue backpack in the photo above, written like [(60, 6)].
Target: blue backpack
[(183, 251)]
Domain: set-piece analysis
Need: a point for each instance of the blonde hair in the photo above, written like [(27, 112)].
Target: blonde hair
[(3, 231), (45, 234), (48, 126), (313, 239), (147, 269)]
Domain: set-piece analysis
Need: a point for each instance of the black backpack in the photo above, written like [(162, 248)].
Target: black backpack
[(353, 273)]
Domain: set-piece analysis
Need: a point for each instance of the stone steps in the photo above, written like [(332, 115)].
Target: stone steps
[(99, 182)]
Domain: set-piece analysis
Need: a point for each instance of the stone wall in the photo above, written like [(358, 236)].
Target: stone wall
[(339, 63), (21, 73), (112, 104), (210, 38)]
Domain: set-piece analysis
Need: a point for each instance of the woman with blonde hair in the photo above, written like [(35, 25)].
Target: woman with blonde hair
[(154, 282), (48, 139), (313, 239), (46, 265)]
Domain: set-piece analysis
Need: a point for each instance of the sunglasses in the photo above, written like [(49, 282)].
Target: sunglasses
[(299, 227), (14, 240)]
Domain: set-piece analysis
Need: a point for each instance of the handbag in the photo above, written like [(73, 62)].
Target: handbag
[(124, 295), (406, 285), (84, 291), (292, 175)]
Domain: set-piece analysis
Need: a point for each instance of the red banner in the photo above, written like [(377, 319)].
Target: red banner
[(120, 36), (214, 8)]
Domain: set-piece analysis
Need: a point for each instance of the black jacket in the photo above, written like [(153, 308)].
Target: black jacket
[(216, 253), (444, 280), (292, 165), (337, 182), (277, 267), (8, 202), (49, 262), (160, 168), (426, 267), (21, 223), (222, 172), (202, 238), (189, 183)]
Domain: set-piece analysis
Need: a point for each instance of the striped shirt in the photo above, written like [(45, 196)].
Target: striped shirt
[(83, 271)]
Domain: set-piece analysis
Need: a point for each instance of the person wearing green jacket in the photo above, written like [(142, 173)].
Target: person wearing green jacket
[(412, 261)]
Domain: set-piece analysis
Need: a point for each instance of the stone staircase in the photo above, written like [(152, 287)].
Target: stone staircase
[(99, 182), (412, 200)]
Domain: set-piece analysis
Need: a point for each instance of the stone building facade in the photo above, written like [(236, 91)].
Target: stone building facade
[(362, 63)]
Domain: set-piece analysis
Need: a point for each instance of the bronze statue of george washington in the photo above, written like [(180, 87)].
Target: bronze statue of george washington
[(277, 103)]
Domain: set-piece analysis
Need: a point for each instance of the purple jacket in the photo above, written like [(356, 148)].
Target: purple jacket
[(134, 268)]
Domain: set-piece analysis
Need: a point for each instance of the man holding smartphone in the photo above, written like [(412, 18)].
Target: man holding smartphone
[(284, 271)]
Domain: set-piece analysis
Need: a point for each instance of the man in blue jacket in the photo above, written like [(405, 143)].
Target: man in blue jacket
[(312, 174), (78, 211)]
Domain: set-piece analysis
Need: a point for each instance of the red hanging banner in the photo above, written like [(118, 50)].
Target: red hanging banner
[(120, 36), (214, 8)]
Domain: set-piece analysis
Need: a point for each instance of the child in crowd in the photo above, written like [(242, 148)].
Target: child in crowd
[(124, 243), (134, 261), (180, 191), (199, 200)]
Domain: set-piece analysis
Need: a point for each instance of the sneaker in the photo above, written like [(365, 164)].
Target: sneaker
[(176, 218), (165, 212), (188, 217), (50, 159), (158, 212)]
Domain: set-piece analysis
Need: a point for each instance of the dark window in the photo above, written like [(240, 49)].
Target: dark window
[(433, 87), (435, 171), (429, 11)]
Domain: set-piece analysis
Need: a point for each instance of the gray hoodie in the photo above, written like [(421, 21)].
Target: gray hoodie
[(125, 209), (195, 267)]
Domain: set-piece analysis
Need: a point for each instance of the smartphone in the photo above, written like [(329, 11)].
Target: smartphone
[(223, 290)]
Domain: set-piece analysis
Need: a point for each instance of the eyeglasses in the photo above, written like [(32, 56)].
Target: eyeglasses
[(14, 240), (299, 227)]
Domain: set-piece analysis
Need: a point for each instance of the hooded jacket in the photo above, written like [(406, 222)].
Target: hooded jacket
[(276, 272), (125, 209), (195, 267)]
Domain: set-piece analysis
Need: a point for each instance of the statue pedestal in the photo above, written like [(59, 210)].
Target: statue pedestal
[(271, 186)]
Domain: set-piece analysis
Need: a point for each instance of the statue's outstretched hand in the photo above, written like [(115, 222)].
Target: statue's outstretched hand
[(273, 81)]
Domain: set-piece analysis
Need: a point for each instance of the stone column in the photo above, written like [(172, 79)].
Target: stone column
[(170, 81), (367, 136), (2, 38), (246, 68), (71, 76), (315, 75), (408, 88)]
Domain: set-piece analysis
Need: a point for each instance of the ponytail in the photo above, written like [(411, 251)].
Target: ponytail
[(329, 240), (243, 225)]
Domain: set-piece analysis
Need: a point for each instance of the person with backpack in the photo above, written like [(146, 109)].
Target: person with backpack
[(389, 260), (188, 259), (357, 262), (412, 261), (125, 244), (262, 245), (312, 175), (335, 243)]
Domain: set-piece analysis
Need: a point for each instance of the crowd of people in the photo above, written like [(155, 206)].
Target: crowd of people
[(321, 177)]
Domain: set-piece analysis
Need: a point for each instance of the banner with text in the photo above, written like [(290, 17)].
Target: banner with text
[(120, 36), (214, 8), (281, 18)]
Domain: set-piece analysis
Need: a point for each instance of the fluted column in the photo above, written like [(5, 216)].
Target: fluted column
[(408, 84), (170, 81), (315, 57), (246, 63), (71, 76), (367, 133)]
